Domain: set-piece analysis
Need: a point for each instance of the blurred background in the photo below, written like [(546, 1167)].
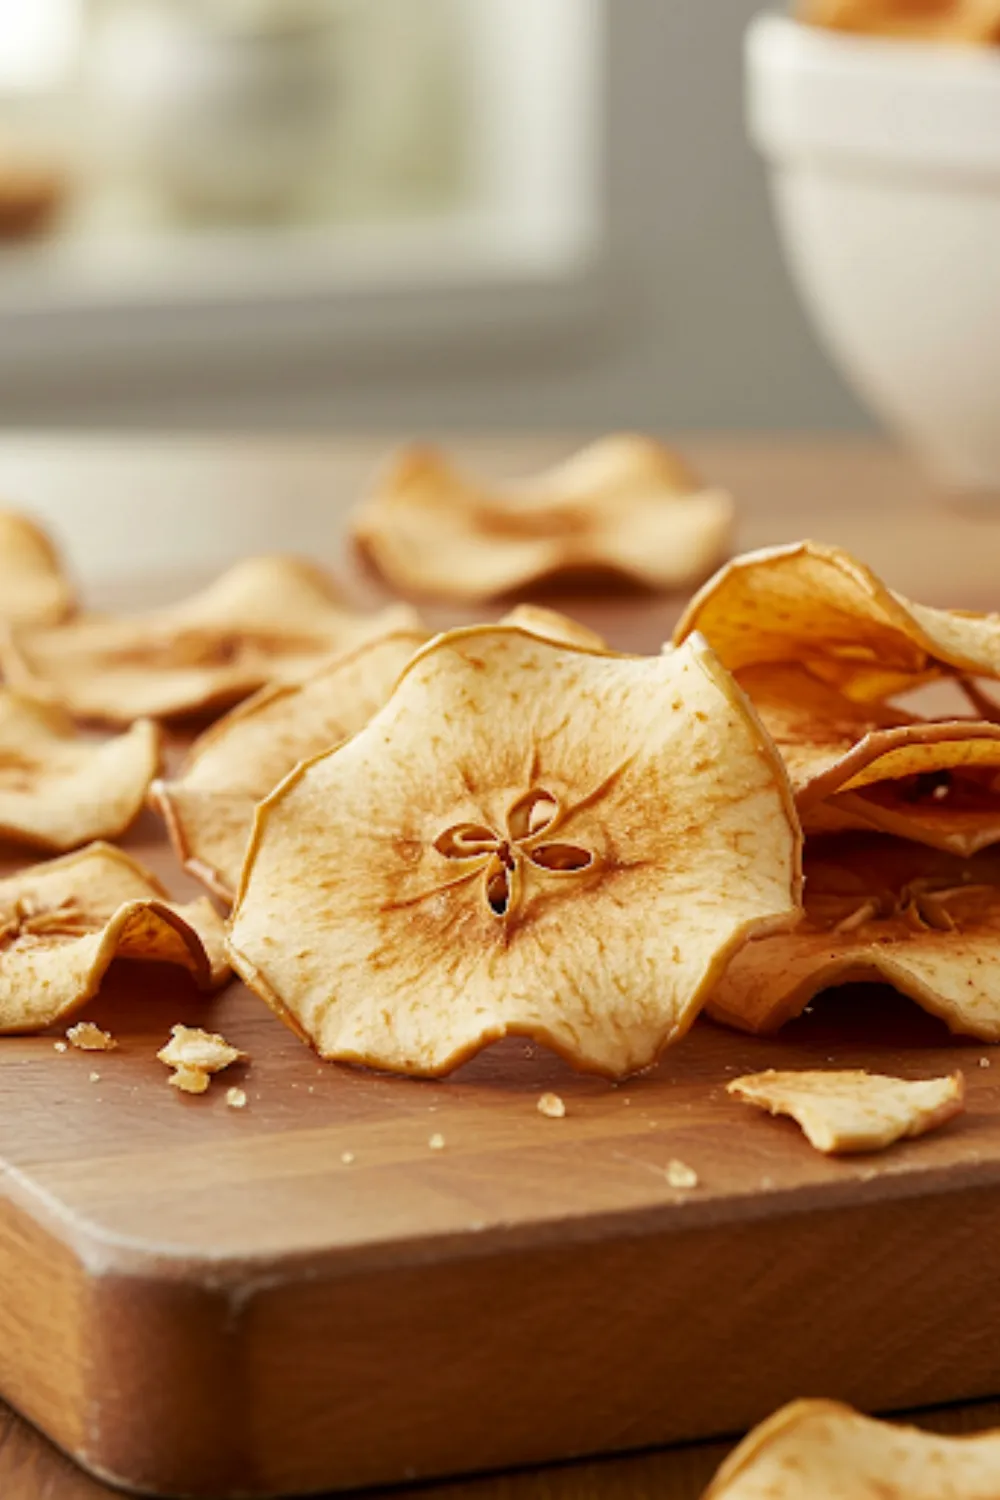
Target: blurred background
[(391, 215)]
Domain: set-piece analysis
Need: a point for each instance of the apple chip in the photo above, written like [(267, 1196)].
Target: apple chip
[(927, 20), (530, 840), (33, 588), (59, 790), (821, 1450), (624, 507), (879, 909), (209, 808), (819, 607), (62, 923), (266, 618), (552, 625), (854, 1111), (866, 766)]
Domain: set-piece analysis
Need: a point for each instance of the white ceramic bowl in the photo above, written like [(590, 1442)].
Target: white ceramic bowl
[(885, 167)]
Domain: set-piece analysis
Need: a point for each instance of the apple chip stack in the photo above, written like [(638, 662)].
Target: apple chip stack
[(901, 813)]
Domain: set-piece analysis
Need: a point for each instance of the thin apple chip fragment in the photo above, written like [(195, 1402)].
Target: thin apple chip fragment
[(59, 789), (266, 618), (527, 839), (878, 908), (821, 1450), (34, 589), (625, 506), (843, 1112), (62, 923)]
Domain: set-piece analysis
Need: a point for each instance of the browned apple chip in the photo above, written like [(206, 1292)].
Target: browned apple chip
[(33, 588), (624, 506), (266, 618), (929, 20), (819, 607), (843, 1112), (527, 839), (209, 808), (62, 923), (820, 1450), (866, 766), (877, 908), (59, 790)]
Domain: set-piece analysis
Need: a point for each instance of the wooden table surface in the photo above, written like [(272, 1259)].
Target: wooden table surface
[(857, 494)]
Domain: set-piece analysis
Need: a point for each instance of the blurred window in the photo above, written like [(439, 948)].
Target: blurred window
[(39, 43)]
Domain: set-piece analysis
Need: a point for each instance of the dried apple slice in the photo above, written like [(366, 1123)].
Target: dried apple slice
[(821, 608), (266, 618), (821, 1450), (209, 808), (850, 1111), (866, 766), (928, 20), (59, 790), (624, 506), (876, 908), (62, 923), (527, 839), (552, 625), (33, 588)]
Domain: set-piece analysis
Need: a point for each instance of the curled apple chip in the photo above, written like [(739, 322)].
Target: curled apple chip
[(867, 766), (62, 923), (527, 839), (553, 625), (820, 607), (33, 587), (624, 507), (821, 1450), (209, 808), (59, 790), (879, 909), (266, 618), (843, 1112)]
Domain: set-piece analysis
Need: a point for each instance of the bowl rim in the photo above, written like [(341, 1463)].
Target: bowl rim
[(926, 109)]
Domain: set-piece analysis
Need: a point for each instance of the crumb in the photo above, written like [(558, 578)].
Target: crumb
[(60, 1046), (90, 1038), (347, 1157), (236, 1098), (95, 1077), (310, 1090), (551, 1106), (436, 1143), (626, 1101), (984, 1062), (189, 1080), (202, 1051), (680, 1175)]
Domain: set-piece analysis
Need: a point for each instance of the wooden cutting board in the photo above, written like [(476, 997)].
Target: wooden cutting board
[(305, 1295), (208, 1302)]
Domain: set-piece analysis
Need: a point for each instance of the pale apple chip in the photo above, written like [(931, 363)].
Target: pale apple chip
[(866, 766), (62, 923), (58, 789), (209, 808), (820, 1450), (529, 840), (624, 507), (844, 1112), (553, 625), (266, 618), (33, 587), (819, 607), (879, 909)]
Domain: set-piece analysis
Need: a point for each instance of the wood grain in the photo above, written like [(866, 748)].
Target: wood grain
[(213, 1302)]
